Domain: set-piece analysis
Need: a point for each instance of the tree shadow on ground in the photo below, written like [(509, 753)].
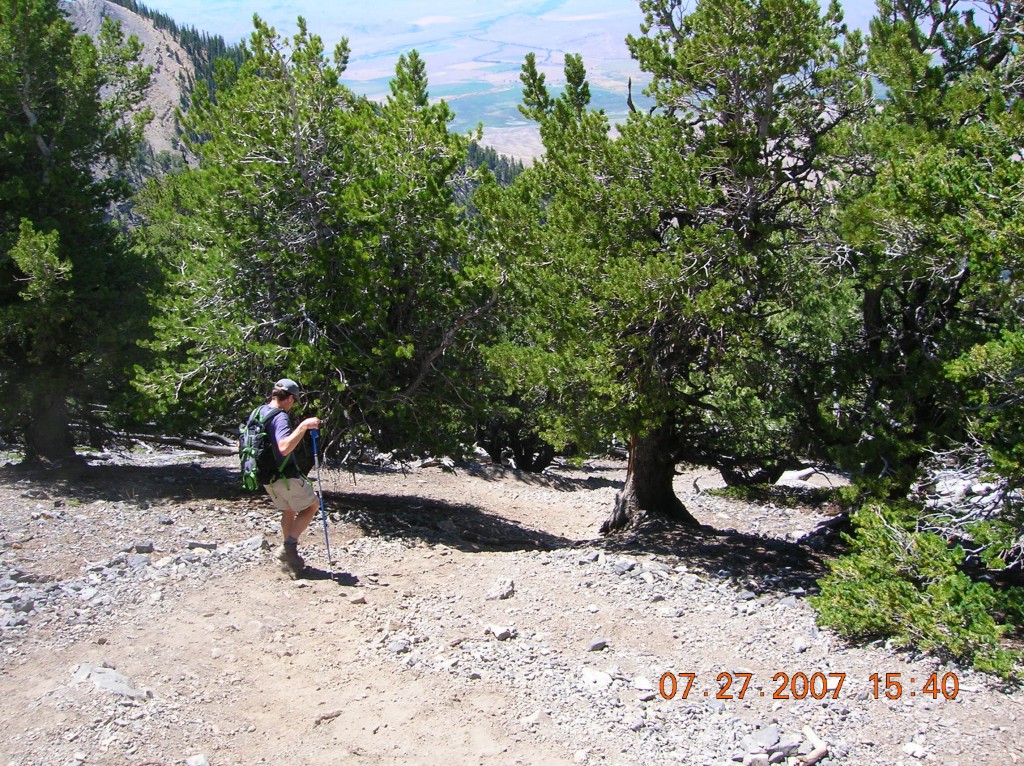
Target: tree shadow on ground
[(588, 478), (182, 481), (464, 527), (460, 526), (754, 562)]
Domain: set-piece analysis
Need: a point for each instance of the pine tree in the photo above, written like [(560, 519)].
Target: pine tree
[(319, 238), (933, 230), (670, 263), (72, 299)]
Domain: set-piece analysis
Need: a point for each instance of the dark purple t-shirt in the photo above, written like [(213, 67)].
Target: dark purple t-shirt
[(279, 427)]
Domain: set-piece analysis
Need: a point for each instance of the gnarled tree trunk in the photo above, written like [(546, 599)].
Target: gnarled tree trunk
[(648, 490), (47, 434)]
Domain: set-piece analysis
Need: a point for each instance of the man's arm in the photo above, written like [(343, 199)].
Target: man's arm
[(288, 444)]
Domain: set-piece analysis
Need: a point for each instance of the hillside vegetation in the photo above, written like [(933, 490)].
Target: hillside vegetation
[(780, 265)]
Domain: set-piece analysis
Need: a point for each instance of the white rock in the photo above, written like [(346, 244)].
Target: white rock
[(914, 750), (595, 679), (537, 718), (643, 684), (503, 589)]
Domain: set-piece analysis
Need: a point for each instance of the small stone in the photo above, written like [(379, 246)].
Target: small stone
[(622, 566), (325, 717), (763, 739), (597, 645), (788, 744), (914, 750), (399, 646), (595, 679), (537, 718), (197, 760), (357, 600), (503, 589), (108, 680), (501, 633)]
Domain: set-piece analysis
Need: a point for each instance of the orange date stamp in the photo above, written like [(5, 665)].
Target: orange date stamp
[(816, 685)]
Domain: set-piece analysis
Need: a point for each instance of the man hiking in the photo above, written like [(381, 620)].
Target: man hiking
[(290, 491)]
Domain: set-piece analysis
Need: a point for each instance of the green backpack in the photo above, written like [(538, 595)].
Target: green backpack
[(255, 452)]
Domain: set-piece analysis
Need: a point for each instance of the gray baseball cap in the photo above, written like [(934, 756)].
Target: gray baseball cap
[(290, 386)]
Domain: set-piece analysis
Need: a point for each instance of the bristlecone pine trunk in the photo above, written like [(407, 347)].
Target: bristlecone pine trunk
[(648, 489), (47, 435)]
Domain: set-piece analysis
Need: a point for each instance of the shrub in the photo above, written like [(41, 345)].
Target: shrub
[(907, 585)]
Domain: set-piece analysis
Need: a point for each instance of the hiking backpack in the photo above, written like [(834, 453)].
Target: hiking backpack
[(255, 452)]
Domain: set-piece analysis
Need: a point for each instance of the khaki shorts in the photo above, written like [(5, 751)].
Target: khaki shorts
[(291, 494)]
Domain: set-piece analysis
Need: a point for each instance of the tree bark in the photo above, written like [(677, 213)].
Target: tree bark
[(648, 489), (48, 434), (186, 443)]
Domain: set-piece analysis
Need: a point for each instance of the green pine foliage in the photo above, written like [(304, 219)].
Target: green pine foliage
[(933, 230), (505, 169), (930, 380), (73, 299), (319, 238), (908, 586)]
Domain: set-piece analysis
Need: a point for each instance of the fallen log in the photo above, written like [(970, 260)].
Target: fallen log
[(185, 443)]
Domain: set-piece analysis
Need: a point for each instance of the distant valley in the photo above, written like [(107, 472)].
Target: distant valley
[(483, 89)]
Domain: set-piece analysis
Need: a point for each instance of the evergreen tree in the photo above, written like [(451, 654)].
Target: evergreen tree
[(72, 299), (319, 238), (672, 261), (933, 230), (929, 385)]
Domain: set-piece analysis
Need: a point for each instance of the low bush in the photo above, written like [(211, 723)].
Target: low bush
[(908, 586)]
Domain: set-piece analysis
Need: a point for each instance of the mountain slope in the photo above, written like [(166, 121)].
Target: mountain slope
[(173, 70)]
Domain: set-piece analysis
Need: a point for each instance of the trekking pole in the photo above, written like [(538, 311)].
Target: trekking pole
[(320, 494)]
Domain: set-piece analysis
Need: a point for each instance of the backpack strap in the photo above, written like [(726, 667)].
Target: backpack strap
[(269, 418)]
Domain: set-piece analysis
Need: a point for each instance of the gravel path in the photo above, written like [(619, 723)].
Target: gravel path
[(472, 617)]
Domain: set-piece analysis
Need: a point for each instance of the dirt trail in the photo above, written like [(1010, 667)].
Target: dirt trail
[(472, 618)]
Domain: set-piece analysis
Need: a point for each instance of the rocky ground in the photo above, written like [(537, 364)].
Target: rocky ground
[(471, 617)]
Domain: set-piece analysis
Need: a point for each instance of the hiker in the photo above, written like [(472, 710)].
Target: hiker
[(290, 491)]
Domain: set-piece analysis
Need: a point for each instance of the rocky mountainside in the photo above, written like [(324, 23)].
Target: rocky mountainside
[(173, 70)]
